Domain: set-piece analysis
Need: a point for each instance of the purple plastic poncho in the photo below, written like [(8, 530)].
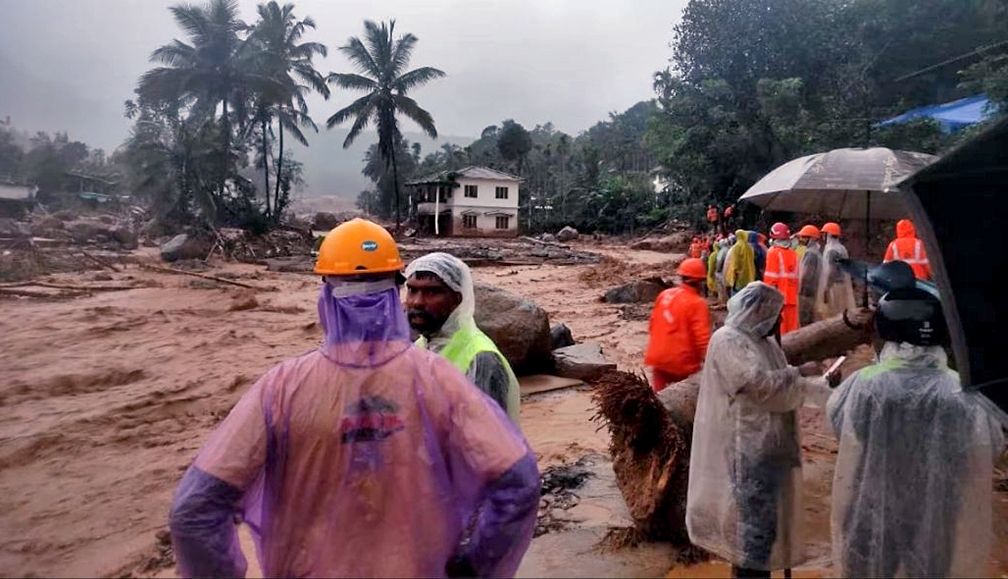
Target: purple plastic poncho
[(366, 457)]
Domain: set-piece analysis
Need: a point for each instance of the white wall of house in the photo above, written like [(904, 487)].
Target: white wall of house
[(486, 191)]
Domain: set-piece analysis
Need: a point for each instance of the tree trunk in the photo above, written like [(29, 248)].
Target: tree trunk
[(265, 153), (279, 168), (395, 184), (651, 433), (227, 148)]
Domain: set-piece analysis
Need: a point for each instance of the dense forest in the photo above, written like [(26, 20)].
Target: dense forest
[(750, 84)]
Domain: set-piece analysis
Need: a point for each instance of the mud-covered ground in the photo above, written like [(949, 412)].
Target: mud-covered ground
[(106, 398)]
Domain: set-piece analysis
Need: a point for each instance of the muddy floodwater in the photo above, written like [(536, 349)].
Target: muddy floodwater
[(107, 397)]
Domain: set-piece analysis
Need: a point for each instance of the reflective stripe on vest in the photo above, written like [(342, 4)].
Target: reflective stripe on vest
[(463, 346), (918, 249), (780, 273)]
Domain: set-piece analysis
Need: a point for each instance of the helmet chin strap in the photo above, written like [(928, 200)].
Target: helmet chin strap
[(343, 289)]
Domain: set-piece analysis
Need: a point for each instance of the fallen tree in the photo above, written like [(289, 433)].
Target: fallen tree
[(651, 434)]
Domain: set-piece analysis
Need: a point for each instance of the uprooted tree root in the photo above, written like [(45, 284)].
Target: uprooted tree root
[(650, 451)]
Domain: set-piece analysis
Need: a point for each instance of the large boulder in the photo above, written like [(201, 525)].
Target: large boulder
[(518, 326), (568, 233), (644, 290), (324, 221), (581, 361), (677, 242), (185, 246)]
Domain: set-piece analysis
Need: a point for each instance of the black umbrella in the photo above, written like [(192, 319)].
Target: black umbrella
[(954, 203)]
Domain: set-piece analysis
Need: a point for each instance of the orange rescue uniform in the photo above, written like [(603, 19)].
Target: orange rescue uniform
[(782, 274), (679, 331), (906, 247)]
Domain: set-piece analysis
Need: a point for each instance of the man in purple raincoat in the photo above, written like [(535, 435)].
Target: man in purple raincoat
[(367, 457)]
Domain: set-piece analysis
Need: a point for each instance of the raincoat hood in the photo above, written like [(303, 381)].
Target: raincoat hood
[(913, 355), (364, 323), (456, 275), (905, 228), (754, 310)]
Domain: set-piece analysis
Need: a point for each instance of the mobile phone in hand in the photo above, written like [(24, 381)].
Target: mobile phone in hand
[(833, 370)]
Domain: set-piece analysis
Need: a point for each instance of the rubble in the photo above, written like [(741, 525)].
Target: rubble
[(561, 336)]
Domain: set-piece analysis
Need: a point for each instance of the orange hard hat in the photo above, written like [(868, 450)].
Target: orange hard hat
[(809, 231), (779, 231), (832, 228), (692, 268), (358, 247)]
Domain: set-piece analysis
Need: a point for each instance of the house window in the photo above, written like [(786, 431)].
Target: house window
[(502, 192), (469, 221), (470, 191), (502, 221)]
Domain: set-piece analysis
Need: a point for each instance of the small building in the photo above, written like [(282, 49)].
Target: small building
[(16, 200), (469, 202)]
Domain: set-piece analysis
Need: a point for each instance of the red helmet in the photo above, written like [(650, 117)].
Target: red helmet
[(779, 231), (692, 268)]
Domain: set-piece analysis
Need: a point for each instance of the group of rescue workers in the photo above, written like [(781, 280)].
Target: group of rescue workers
[(912, 487), (374, 455)]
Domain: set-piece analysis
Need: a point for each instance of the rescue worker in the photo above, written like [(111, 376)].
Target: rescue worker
[(744, 492), (807, 234), (782, 274), (912, 486), (696, 248), (679, 329), (740, 264), (712, 217), (440, 305), (729, 218), (836, 290), (906, 247), (809, 267), (365, 457), (712, 272)]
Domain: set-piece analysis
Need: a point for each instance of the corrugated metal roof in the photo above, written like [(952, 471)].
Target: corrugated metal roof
[(473, 172)]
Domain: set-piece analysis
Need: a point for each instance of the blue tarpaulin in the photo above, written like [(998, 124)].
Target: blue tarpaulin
[(951, 116)]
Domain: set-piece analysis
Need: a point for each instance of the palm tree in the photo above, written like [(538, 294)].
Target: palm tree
[(381, 61), (204, 73), (289, 73)]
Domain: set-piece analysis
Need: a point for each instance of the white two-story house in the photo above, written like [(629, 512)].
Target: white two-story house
[(470, 202)]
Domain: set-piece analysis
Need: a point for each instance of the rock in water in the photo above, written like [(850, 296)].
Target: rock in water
[(568, 233), (645, 290), (561, 336), (518, 326), (184, 246), (582, 362)]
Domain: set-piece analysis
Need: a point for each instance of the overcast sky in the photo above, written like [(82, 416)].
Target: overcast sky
[(69, 64)]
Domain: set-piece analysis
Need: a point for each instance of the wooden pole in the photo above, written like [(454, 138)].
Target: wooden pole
[(199, 275)]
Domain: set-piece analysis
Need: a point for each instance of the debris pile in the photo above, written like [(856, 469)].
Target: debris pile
[(558, 485)]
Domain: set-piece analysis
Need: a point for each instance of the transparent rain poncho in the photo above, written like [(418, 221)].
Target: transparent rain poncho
[(489, 370), (364, 458), (836, 291), (912, 489), (809, 269), (744, 495)]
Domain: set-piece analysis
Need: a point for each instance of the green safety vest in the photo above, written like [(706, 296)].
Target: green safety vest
[(463, 346)]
